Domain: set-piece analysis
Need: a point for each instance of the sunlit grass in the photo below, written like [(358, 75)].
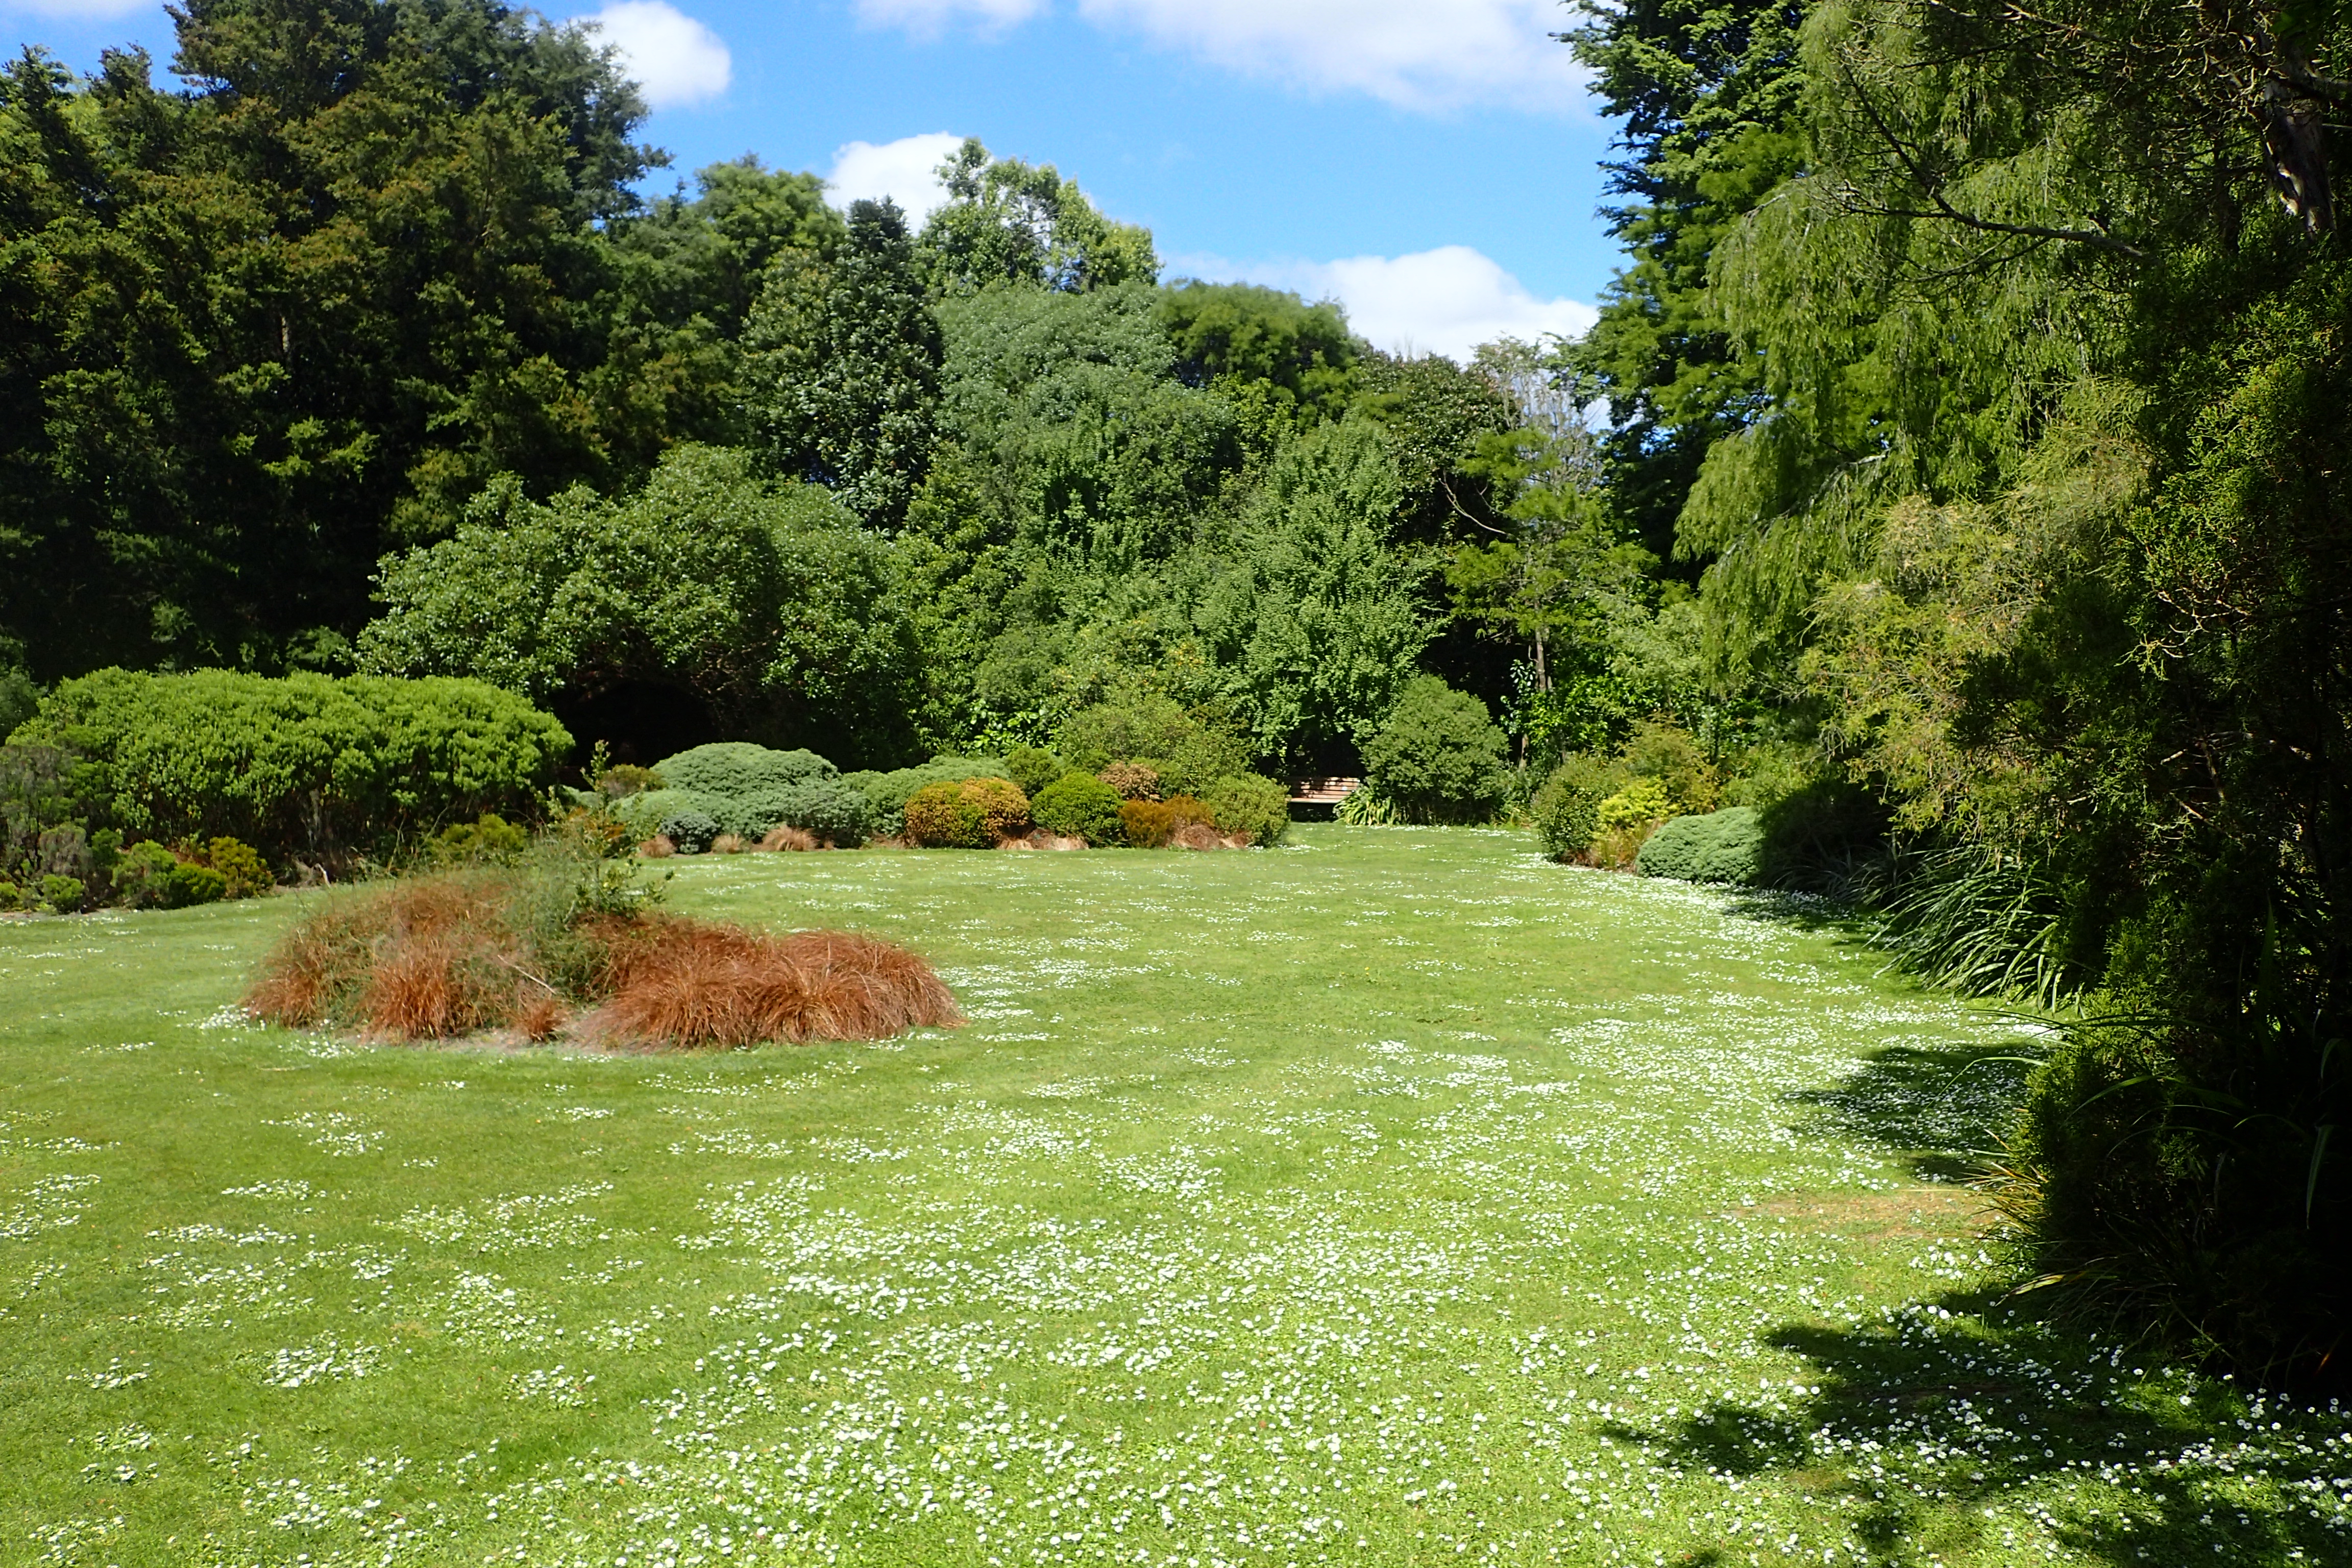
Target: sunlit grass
[(1394, 1198)]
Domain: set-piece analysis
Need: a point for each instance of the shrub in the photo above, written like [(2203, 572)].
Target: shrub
[(734, 768), (1365, 806), (887, 794), (63, 894), (12, 898), (1250, 806), (1133, 781), (1724, 846), (826, 807), (244, 871), (1827, 837), (1033, 768), (304, 766), (1187, 751), (1639, 804), (1439, 757), (966, 814), (690, 831), (1080, 805), (142, 876), (187, 883), (64, 852), (1567, 810), (491, 840), (1671, 755), (1151, 823), (625, 779)]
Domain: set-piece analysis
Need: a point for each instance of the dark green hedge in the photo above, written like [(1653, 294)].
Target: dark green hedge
[(1721, 847)]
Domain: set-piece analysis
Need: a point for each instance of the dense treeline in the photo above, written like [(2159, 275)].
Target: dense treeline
[(1989, 364), (355, 349)]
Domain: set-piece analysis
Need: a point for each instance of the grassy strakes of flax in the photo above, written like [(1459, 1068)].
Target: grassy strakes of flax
[(459, 952)]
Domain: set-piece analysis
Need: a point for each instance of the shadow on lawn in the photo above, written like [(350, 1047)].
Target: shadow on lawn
[(1970, 1412), (1943, 1107)]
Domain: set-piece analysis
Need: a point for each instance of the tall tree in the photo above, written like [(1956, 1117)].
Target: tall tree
[(843, 365), (1010, 222)]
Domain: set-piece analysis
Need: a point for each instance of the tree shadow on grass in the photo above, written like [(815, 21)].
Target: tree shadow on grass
[(1941, 1107), (1924, 1421)]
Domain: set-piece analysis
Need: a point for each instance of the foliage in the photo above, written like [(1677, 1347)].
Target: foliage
[(764, 601), (626, 779), (269, 324), (64, 895), (1032, 768), (966, 813), (244, 874), (1243, 333), (1438, 757), (1152, 734), (1007, 222), (887, 794), (1132, 781), (1153, 824), (842, 366), (1366, 807), (1080, 805), (1642, 802), (188, 883), (740, 767), (306, 766), (142, 876), (1724, 846), (1566, 811), (1252, 805), (689, 830), (491, 840)]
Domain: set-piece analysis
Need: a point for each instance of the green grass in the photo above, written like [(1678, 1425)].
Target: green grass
[(1393, 1197)]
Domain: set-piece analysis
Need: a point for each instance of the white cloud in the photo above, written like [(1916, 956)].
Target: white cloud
[(1447, 300), (672, 58), (1416, 54), (906, 170)]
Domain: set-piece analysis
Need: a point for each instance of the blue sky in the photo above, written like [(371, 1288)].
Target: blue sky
[(1431, 163)]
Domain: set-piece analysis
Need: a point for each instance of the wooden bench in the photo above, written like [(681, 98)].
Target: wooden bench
[(1323, 791)]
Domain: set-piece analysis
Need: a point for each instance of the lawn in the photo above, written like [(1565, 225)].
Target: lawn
[(1392, 1197)]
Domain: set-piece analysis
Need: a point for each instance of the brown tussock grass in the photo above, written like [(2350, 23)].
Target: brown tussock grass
[(676, 982), (729, 844), (658, 847), (784, 837), (438, 957)]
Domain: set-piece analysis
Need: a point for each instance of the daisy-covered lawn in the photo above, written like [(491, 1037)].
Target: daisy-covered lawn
[(1393, 1197)]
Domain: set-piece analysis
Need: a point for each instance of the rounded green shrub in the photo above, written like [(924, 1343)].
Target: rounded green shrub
[(491, 840), (64, 894), (247, 874), (1566, 810), (887, 794), (1252, 804), (691, 831), (143, 875), (1439, 757), (1080, 805), (1644, 801), (1032, 768), (188, 883), (1724, 846), (826, 807), (12, 898), (728, 769)]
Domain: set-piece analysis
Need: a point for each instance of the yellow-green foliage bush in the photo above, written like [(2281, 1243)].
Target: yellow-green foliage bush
[(1642, 801), (490, 841), (966, 814), (244, 874)]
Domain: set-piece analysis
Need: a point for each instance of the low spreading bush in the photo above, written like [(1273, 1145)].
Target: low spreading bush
[(12, 898), (1365, 806), (1724, 846), (966, 814), (307, 765), (63, 895), (1153, 823), (142, 876), (1439, 755), (1251, 807), (1188, 749), (1080, 805), (1033, 768), (728, 768), (243, 870), (825, 808)]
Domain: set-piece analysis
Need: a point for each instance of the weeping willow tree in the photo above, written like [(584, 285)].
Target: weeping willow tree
[(2044, 500)]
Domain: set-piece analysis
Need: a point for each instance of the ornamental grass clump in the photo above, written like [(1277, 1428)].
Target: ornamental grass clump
[(564, 943)]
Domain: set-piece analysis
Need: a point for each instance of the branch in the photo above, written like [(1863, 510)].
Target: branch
[(1945, 210)]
